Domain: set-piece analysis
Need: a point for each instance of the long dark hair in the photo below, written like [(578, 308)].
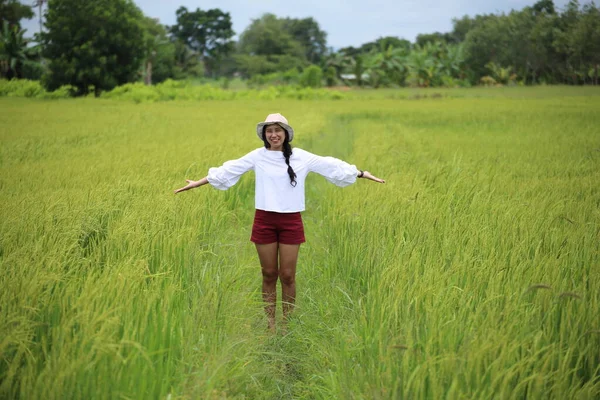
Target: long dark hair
[(287, 152)]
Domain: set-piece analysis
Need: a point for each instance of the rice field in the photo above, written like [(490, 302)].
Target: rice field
[(473, 273)]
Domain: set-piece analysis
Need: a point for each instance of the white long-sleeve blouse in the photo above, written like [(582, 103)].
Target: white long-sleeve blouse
[(273, 191)]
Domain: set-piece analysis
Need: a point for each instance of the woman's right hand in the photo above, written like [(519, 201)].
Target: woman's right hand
[(191, 184)]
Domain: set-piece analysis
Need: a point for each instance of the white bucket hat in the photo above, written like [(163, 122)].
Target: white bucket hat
[(275, 119)]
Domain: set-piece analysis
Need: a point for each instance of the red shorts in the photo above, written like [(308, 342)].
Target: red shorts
[(270, 227)]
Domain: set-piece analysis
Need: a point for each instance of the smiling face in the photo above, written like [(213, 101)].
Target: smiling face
[(275, 136)]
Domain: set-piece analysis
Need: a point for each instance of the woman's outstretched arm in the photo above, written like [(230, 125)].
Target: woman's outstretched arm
[(368, 175), (225, 176), (335, 170), (192, 184)]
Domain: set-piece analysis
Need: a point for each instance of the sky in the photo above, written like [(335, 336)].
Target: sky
[(347, 23)]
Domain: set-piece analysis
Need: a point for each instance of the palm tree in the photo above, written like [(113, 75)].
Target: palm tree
[(387, 66), (339, 61), (422, 67), (453, 60), (358, 68), (499, 73), (14, 53), (187, 60)]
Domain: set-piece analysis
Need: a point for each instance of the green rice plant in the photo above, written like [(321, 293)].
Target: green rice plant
[(472, 273), (20, 88)]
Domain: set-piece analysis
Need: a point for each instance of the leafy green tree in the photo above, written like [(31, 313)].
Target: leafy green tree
[(435, 37), (17, 59), (93, 43), (159, 52), (338, 61), (271, 44), (461, 26), (187, 62), (486, 42), (377, 45), (544, 6), (268, 46), (309, 35), (349, 51), (583, 43), (537, 43), (12, 11), (543, 58), (268, 35), (208, 33)]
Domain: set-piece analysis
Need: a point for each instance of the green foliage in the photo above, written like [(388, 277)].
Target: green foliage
[(260, 80), (249, 65), (461, 26), (13, 11), (311, 77), (178, 90), (187, 62), (340, 61), (381, 43), (62, 92), (500, 74), (33, 70), (20, 88), (358, 68), (309, 35), (15, 54), (436, 37), (330, 76), (423, 66), (159, 53), (538, 43), (387, 67), (488, 81), (29, 88), (208, 33), (583, 41), (434, 64), (546, 6), (99, 43), (270, 44), (268, 36), (291, 76)]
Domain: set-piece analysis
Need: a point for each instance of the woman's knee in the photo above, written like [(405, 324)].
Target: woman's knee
[(287, 276), (270, 275)]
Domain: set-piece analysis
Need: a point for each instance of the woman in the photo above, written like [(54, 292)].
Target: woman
[(278, 231)]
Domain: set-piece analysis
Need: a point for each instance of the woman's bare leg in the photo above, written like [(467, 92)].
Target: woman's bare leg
[(288, 257), (267, 254)]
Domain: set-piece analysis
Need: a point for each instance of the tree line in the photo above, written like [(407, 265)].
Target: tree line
[(97, 45)]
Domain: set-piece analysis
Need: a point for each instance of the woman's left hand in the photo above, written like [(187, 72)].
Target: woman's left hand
[(368, 175)]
